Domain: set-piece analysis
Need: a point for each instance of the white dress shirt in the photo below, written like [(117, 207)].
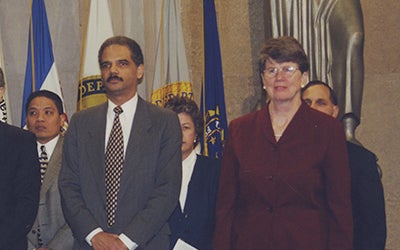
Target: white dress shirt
[(126, 120), (187, 171)]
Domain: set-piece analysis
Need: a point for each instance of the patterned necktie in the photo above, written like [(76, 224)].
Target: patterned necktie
[(44, 161), (114, 160)]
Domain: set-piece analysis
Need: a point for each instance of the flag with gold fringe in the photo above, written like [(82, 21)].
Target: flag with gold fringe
[(213, 99), (41, 72), (98, 29), (171, 74)]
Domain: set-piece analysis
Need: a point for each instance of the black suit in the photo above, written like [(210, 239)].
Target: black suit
[(195, 225), (19, 186), (367, 199)]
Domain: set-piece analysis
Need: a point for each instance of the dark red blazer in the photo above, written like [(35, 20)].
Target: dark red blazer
[(291, 194)]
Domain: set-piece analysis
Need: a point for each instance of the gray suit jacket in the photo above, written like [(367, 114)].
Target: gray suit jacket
[(150, 180), (54, 231)]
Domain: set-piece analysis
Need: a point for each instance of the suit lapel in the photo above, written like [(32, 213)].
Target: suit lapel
[(137, 140), (95, 153), (53, 168)]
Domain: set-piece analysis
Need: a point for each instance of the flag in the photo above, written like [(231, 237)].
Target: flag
[(5, 114), (41, 72), (98, 29), (171, 74), (213, 100)]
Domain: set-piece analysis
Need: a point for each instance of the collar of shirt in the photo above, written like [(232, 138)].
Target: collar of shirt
[(50, 145), (126, 119), (187, 171)]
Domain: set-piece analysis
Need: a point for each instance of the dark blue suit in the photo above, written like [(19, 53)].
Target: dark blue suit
[(367, 199), (196, 224), (19, 186)]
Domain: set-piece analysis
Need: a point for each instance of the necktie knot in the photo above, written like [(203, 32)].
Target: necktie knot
[(118, 110)]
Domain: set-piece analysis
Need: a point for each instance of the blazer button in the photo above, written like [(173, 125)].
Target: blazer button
[(186, 216), (271, 177)]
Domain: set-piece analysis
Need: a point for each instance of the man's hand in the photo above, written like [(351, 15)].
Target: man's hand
[(107, 241)]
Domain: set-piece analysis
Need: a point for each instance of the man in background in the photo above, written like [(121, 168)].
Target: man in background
[(45, 118), (19, 186), (366, 187)]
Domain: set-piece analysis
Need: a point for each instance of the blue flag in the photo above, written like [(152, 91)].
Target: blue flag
[(213, 100), (41, 72)]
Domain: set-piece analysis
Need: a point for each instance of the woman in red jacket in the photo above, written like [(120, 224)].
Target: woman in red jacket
[(285, 180)]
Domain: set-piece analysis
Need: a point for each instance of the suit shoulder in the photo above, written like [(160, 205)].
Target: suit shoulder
[(360, 151), (249, 118), (16, 133), (208, 162), (156, 110)]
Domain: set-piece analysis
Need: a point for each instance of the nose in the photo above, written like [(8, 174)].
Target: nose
[(280, 74), (114, 69), (40, 116)]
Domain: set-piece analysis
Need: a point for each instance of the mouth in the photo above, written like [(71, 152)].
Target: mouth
[(40, 128), (280, 87)]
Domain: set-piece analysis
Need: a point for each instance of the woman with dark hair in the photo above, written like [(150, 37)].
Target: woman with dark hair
[(285, 179), (193, 220)]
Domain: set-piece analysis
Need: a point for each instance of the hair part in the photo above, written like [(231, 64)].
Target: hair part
[(180, 104), (332, 94), (48, 94), (132, 45), (283, 49)]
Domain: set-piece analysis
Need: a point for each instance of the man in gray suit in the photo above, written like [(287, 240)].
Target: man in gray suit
[(45, 118), (148, 187)]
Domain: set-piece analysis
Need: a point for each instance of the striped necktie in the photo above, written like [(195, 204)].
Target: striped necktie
[(44, 161), (114, 159)]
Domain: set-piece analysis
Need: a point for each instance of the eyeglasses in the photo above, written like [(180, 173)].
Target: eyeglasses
[(288, 71)]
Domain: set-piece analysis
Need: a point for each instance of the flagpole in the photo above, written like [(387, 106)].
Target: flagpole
[(79, 105), (32, 52)]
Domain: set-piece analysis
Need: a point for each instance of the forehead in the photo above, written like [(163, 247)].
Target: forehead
[(272, 63), (116, 52), (185, 117), (317, 92), (42, 101)]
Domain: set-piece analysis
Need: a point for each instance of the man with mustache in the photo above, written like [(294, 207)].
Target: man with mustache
[(121, 172)]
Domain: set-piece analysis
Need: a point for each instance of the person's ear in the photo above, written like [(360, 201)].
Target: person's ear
[(335, 111)]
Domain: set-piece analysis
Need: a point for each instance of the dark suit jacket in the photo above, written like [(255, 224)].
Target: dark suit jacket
[(290, 194), (195, 225), (150, 181), (367, 199), (19, 186), (54, 231)]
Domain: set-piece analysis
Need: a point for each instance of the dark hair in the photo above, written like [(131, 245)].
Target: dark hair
[(48, 94), (283, 49), (185, 105), (132, 45), (332, 94), (2, 81)]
